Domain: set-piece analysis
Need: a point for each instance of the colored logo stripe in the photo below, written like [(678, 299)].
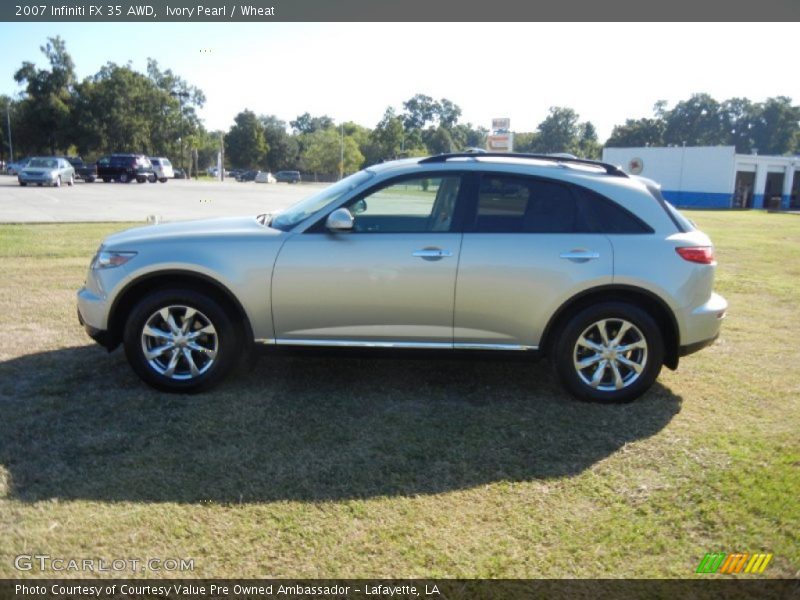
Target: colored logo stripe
[(711, 562), (721, 562)]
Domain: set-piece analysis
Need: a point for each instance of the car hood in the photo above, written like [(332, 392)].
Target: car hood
[(195, 231)]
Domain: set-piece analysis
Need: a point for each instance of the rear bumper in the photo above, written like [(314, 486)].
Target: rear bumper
[(701, 326)]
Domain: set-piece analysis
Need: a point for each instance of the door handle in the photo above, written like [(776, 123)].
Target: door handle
[(432, 253), (580, 256)]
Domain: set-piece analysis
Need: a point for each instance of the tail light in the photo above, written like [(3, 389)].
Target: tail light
[(703, 255)]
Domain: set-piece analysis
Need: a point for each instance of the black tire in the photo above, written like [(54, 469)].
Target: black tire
[(222, 347), (89, 180), (151, 178), (123, 177), (22, 184), (141, 179), (618, 376), (163, 180), (106, 180)]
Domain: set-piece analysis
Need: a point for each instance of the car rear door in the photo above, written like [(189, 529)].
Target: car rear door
[(390, 281), (522, 256)]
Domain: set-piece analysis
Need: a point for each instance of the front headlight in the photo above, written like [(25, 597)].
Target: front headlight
[(108, 259)]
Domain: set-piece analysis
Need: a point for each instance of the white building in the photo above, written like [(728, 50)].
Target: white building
[(714, 176)]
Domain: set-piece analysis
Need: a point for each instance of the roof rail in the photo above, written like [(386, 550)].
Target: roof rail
[(609, 168)]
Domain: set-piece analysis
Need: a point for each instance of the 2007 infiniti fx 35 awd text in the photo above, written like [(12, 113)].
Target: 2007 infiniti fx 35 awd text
[(540, 254)]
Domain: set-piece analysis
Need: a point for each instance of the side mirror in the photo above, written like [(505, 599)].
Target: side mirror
[(340, 220)]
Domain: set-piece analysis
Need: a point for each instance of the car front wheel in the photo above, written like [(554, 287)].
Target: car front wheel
[(181, 341), (610, 352)]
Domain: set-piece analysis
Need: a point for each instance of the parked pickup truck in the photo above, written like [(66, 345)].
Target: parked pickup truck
[(83, 171)]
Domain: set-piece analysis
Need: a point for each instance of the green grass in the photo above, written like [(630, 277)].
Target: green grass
[(312, 466)]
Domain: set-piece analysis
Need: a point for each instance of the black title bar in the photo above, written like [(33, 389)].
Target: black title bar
[(265, 11)]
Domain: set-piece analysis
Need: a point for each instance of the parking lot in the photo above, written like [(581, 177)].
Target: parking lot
[(175, 200)]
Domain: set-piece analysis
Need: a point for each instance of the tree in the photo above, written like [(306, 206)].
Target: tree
[(324, 150), (305, 123), (467, 136), (387, 140), (439, 140), (587, 145), (420, 110), (697, 121), (114, 112), (449, 113), (47, 105), (245, 146), (283, 150), (775, 128), (525, 141), (175, 101), (558, 132), (637, 132)]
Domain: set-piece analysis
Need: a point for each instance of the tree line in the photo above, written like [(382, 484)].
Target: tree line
[(155, 113)]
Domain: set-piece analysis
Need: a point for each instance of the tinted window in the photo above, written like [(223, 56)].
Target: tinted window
[(511, 204), (514, 204), (601, 215)]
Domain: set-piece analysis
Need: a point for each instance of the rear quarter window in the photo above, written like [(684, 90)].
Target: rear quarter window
[(602, 215)]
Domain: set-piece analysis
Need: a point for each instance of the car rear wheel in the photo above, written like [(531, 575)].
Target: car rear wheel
[(123, 178), (151, 178), (163, 180), (611, 352), (179, 340), (57, 182), (71, 181), (22, 184)]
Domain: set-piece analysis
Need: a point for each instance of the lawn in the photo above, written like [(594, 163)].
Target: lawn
[(355, 467)]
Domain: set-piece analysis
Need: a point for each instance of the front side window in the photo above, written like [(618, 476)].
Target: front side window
[(293, 215), (409, 205)]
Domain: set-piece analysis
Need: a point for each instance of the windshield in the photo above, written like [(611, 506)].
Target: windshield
[(42, 163), (305, 208)]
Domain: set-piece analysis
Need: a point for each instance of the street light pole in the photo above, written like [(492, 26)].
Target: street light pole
[(181, 96), (10, 145)]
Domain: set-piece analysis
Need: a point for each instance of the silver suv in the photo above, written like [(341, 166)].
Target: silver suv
[(542, 255)]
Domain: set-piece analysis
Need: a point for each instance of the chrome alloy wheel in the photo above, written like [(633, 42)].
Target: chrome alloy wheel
[(610, 354), (179, 342)]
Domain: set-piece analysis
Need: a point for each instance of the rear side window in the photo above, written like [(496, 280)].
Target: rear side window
[(510, 204), (516, 204)]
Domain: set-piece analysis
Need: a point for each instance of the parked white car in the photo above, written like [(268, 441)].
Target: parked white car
[(162, 169), (265, 177)]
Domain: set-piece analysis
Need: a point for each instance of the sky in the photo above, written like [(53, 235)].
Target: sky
[(353, 71)]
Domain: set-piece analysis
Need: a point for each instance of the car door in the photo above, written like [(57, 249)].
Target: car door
[(524, 253), (390, 281)]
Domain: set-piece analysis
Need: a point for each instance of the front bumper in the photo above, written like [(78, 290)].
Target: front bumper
[(34, 179), (92, 316)]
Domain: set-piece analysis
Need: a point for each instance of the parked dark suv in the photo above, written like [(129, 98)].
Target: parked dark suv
[(287, 176), (125, 168)]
